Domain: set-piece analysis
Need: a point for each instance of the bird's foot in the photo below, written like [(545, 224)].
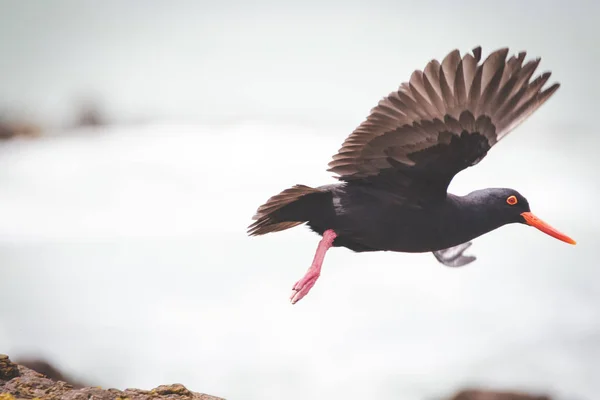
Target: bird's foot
[(453, 256), (303, 286)]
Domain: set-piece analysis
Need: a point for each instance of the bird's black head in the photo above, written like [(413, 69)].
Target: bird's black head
[(505, 206)]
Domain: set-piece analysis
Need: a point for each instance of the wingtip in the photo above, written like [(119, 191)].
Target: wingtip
[(551, 89)]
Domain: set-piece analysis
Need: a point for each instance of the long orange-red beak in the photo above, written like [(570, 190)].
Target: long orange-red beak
[(544, 227)]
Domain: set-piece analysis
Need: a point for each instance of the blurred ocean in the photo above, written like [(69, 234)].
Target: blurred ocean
[(123, 254), (124, 260)]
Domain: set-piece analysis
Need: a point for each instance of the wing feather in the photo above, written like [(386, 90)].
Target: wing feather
[(475, 90), (460, 88), (431, 81)]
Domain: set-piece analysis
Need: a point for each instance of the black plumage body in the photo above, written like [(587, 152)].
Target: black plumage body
[(368, 219)]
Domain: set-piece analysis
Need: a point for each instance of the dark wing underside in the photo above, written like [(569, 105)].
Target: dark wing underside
[(445, 119)]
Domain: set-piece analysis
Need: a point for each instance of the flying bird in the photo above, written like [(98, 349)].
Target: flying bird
[(395, 168)]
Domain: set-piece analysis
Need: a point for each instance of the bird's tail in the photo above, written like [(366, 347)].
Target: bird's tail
[(287, 209)]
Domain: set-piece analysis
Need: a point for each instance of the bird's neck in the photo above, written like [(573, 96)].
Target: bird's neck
[(474, 216)]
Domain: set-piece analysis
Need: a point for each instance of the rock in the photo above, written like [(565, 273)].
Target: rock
[(8, 370), (9, 130), (494, 395), (49, 371), (19, 382)]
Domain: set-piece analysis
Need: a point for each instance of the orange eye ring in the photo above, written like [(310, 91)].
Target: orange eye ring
[(512, 200)]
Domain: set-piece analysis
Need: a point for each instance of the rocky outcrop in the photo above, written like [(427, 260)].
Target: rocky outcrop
[(49, 371), (19, 382), (48, 383)]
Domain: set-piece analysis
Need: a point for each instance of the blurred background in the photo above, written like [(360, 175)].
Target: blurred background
[(138, 138)]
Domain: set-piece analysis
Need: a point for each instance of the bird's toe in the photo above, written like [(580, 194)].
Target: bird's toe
[(302, 287)]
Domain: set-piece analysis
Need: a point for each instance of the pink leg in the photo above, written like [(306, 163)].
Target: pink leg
[(303, 286)]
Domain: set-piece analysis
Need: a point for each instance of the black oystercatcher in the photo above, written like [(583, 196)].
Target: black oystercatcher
[(395, 168)]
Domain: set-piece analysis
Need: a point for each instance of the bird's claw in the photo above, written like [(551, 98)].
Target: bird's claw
[(454, 257), (303, 286)]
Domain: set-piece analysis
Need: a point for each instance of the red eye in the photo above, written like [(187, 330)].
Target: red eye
[(512, 200)]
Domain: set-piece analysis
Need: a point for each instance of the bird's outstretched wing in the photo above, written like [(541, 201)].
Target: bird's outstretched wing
[(442, 121)]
